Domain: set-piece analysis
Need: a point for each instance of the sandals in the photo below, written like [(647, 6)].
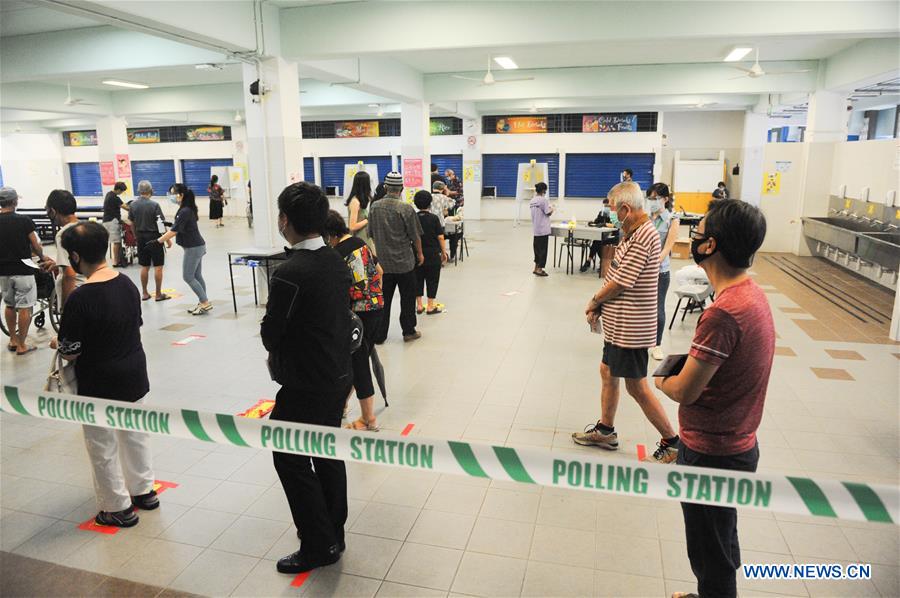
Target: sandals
[(147, 298), (28, 349), (420, 310), (360, 426), (11, 348), (436, 310), (163, 297)]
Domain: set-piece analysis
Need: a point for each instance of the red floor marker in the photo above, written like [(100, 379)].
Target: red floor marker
[(262, 408), (642, 452), (91, 526), (300, 580), (161, 486), (188, 340), (407, 430)]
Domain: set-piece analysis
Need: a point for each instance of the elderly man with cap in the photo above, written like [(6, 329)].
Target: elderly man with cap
[(147, 217), (18, 242), (395, 229)]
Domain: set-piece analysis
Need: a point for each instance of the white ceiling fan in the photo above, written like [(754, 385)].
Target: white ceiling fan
[(70, 101), (533, 110), (756, 71), (489, 79)]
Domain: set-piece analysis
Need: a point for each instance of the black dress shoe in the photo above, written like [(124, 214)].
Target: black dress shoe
[(301, 563), (341, 545)]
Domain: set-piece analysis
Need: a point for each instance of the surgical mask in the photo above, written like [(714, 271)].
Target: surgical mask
[(613, 217), (173, 198), (623, 219), (653, 206), (695, 250)]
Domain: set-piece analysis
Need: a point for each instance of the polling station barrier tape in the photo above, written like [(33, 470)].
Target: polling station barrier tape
[(718, 487)]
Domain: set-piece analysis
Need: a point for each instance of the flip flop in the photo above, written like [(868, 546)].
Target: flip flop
[(27, 350), (147, 298), (361, 426), (12, 348), (163, 297)]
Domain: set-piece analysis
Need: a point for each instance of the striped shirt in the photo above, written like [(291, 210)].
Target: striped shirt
[(629, 320)]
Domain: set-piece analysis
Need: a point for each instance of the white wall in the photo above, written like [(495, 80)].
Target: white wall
[(32, 164), (872, 164), (701, 135), (783, 210)]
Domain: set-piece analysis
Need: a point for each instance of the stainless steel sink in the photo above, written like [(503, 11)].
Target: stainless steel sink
[(847, 223), (832, 232), (880, 248)]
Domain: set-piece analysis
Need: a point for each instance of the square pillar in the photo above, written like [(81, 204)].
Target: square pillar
[(471, 174), (112, 141), (273, 141), (414, 139), (753, 146)]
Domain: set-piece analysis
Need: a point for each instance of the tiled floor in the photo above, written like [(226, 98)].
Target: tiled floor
[(514, 369)]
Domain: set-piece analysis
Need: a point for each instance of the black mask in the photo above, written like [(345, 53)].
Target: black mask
[(695, 250), (75, 265)]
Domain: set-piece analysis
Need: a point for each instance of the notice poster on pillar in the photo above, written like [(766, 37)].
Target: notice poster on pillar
[(123, 166), (412, 173), (772, 183), (472, 171), (107, 173)]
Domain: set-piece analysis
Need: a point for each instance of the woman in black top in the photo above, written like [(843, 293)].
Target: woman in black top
[(101, 332), (187, 235), (112, 221), (216, 200), (428, 274)]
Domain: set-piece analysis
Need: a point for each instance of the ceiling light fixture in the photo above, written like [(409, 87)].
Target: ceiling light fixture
[(374, 105), (506, 62), (208, 66), (127, 84), (737, 54)]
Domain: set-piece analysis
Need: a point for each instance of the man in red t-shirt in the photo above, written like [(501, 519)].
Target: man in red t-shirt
[(722, 387)]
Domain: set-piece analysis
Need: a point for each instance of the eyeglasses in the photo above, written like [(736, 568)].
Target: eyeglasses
[(696, 235)]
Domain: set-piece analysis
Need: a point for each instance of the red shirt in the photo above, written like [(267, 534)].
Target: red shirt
[(736, 333)]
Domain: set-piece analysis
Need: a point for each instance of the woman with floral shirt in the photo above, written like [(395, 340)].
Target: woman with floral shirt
[(367, 302)]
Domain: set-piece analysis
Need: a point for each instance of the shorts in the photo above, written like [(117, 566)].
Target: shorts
[(150, 252), (19, 292), (114, 228), (625, 363)]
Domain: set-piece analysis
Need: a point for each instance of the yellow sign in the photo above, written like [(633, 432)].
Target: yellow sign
[(772, 183), (871, 209), (527, 176), (847, 204)]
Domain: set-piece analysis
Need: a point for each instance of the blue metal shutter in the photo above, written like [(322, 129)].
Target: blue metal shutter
[(500, 170), (195, 174), (85, 179), (309, 173), (593, 175), (160, 173), (445, 161), (332, 169)]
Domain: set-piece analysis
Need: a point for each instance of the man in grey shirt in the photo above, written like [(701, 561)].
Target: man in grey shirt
[(147, 218), (395, 229)]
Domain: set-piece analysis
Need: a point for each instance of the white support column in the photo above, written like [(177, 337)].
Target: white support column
[(753, 144), (414, 140), (273, 141), (472, 169), (112, 140)]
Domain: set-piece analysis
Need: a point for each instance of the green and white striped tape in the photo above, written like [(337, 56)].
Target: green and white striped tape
[(719, 487)]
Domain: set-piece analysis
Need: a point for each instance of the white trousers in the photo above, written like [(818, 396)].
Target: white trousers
[(114, 482)]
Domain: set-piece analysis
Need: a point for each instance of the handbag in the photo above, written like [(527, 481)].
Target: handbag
[(61, 377)]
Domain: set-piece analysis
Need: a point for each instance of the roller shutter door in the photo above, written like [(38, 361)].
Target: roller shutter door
[(451, 161), (593, 175), (195, 174), (309, 173), (500, 170), (85, 179), (332, 169), (160, 173)]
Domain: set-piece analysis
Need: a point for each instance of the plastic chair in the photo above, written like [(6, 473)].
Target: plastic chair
[(696, 295)]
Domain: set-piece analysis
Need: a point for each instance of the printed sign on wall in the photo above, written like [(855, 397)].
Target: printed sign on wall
[(772, 183), (107, 173), (80, 138), (609, 123), (205, 134), (143, 136), (123, 166), (522, 124), (439, 127), (412, 172), (472, 171), (367, 128)]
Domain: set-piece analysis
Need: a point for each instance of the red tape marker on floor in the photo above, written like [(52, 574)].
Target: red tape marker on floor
[(300, 580), (261, 409), (91, 526), (161, 486), (407, 430), (642, 452)]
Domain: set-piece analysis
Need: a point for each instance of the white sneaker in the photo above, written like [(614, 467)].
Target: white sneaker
[(657, 353)]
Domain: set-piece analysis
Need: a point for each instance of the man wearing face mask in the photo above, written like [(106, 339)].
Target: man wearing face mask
[(721, 389), (306, 331), (627, 306), (148, 218), (61, 208)]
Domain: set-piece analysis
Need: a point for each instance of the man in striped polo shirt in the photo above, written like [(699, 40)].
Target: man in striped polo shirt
[(627, 306)]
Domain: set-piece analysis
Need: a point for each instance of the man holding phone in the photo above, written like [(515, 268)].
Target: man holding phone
[(722, 385), (627, 305)]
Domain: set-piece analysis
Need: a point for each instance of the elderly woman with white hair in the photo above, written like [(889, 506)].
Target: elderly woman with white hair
[(627, 307)]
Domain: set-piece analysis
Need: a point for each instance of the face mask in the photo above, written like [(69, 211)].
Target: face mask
[(695, 250), (613, 218), (173, 198), (622, 219), (76, 265), (653, 205)]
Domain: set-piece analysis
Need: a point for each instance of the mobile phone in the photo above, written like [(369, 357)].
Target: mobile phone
[(670, 366)]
